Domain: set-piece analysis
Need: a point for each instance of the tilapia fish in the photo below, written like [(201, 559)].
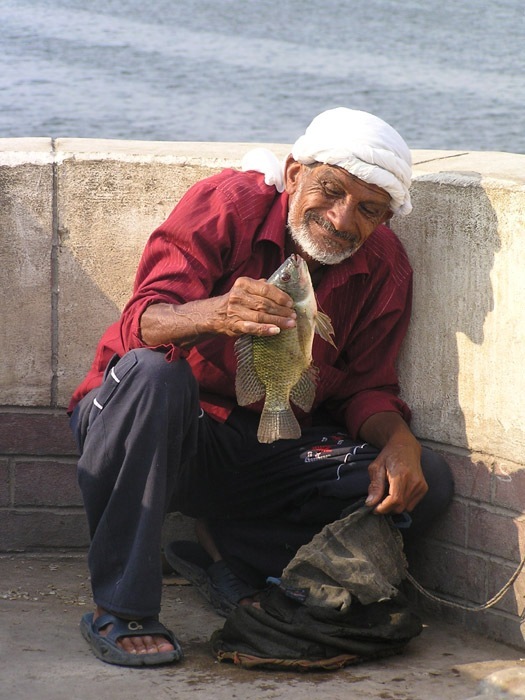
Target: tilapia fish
[(279, 368)]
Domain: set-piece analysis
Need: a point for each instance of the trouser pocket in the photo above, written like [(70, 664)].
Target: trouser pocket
[(93, 403), (115, 372)]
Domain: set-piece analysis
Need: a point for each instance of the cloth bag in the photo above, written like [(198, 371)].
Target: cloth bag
[(337, 603)]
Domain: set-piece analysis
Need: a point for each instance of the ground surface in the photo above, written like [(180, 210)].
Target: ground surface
[(44, 657)]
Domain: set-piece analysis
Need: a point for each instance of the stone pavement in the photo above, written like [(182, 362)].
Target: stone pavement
[(43, 656)]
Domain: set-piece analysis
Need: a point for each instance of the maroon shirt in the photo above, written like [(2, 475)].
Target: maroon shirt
[(233, 224)]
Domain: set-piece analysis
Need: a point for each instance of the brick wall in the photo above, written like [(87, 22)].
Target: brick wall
[(471, 553), (466, 558), (40, 502)]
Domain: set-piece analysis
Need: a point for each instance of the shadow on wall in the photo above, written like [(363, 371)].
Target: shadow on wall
[(106, 211), (452, 256), (450, 378), (85, 312)]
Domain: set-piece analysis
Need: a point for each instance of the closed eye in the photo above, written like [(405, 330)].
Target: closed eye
[(372, 212), (332, 190)]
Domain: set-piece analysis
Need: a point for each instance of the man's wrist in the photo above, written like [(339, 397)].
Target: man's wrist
[(388, 428)]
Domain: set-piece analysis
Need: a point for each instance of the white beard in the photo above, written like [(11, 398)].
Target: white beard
[(327, 252)]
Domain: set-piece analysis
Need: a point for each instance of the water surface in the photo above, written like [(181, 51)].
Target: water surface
[(445, 74)]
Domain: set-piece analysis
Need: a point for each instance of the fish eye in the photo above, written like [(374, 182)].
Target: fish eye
[(285, 277)]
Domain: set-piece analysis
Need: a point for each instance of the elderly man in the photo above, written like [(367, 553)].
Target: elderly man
[(156, 418)]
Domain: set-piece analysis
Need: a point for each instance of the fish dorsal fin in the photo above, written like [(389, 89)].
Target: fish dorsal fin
[(323, 326), (303, 393), (248, 386)]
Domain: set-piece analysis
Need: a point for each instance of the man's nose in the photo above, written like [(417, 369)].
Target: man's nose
[(342, 215)]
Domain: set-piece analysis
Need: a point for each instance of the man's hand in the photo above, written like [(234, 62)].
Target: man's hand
[(255, 307), (250, 307), (397, 483)]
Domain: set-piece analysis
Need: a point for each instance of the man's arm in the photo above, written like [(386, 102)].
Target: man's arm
[(397, 483), (251, 306)]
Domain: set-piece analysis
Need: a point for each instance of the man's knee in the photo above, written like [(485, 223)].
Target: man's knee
[(440, 490), (439, 477), (151, 368), (142, 381)]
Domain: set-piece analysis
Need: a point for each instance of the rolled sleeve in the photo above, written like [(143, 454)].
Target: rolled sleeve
[(367, 403)]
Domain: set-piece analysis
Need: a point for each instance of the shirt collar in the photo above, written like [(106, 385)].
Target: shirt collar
[(274, 226), (357, 264)]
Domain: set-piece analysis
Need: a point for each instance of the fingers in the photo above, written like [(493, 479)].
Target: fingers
[(401, 497), (401, 502), (258, 308), (390, 505), (378, 484)]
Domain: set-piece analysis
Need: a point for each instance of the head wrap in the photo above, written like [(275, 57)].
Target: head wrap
[(361, 143)]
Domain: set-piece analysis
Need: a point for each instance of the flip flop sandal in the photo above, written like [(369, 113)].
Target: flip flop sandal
[(214, 580), (105, 646)]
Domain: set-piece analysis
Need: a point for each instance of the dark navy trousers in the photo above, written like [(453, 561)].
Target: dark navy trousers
[(147, 448)]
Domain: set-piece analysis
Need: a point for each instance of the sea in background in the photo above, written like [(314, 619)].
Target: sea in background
[(447, 74)]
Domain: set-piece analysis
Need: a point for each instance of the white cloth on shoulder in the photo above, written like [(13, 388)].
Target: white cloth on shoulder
[(262, 160), (361, 143)]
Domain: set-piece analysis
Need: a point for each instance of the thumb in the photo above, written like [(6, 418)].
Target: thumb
[(377, 487)]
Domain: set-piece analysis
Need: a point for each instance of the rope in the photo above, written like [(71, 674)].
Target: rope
[(470, 608)]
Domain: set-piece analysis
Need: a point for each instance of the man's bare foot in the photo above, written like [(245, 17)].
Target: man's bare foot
[(250, 601), (137, 645)]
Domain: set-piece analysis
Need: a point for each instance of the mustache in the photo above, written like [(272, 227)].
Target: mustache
[(330, 228)]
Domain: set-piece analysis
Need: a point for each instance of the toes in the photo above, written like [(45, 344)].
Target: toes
[(128, 644), (163, 644), (246, 601), (145, 645)]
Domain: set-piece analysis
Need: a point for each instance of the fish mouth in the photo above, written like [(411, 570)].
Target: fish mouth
[(302, 272), (296, 259)]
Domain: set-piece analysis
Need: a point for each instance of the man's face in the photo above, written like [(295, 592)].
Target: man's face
[(332, 213)]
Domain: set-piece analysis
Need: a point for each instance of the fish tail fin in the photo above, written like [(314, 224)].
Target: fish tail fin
[(278, 425)]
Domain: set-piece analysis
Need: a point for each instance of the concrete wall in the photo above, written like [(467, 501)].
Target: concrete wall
[(74, 217), (462, 372)]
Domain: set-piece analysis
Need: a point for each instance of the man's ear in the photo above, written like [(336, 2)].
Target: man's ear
[(292, 174), (387, 216)]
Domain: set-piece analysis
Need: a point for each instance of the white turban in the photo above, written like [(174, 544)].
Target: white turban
[(359, 142)]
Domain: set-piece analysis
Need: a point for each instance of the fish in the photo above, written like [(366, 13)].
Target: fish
[(280, 368)]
